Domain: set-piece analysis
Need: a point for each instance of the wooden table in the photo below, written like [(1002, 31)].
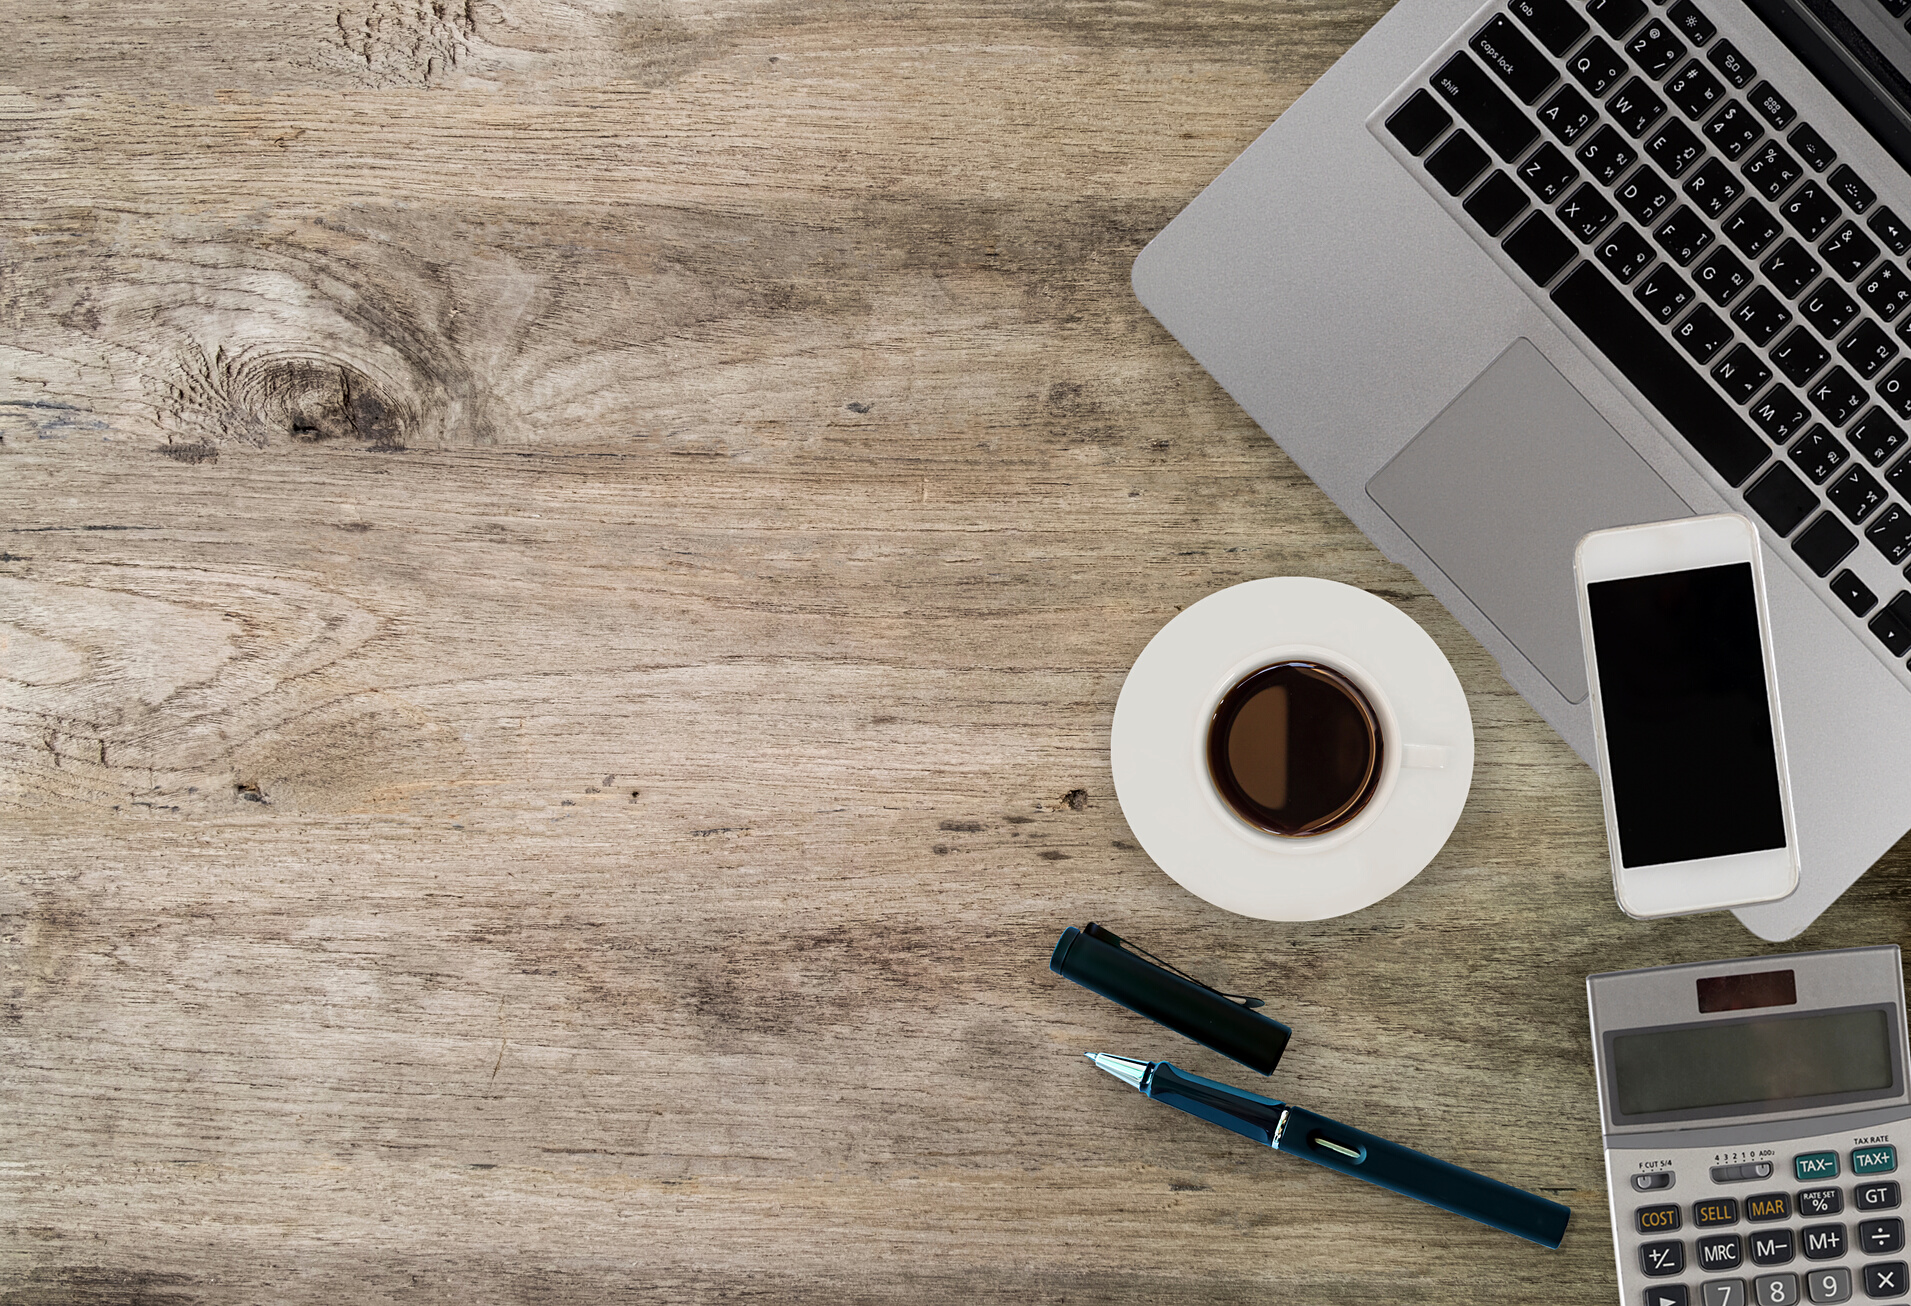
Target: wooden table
[(566, 569)]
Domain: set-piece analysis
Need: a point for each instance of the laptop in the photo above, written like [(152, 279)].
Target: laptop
[(1510, 273)]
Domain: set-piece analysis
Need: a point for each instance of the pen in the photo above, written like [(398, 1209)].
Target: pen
[(1339, 1147)]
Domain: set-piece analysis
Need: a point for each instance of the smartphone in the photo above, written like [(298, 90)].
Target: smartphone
[(1685, 706)]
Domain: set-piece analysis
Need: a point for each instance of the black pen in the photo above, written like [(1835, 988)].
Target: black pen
[(1339, 1147)]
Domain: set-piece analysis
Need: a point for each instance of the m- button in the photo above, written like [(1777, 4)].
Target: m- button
[(1815, 1165)]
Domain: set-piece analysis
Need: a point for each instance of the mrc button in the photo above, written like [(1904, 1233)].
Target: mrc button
[(1879, 1159), (1656, 1219), (1815, 1165)]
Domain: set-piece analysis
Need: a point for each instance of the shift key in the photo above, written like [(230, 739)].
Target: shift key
[(1501, 124)]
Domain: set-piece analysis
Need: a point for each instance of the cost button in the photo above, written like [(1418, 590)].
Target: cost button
[(1657, 1219), (1815, 1165), (1881, 1159)]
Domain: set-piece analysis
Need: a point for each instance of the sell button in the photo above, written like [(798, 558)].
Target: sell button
[(1815, 1165), (1882, 1159)]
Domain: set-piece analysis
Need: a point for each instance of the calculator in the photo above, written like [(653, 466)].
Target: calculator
[(1752, 1113)]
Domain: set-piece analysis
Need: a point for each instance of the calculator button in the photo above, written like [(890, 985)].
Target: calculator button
[(1656, 1219), (1722, 1292), (1646, 1183), (1768, 1206), (1775, 1290), (1829, 1285), (1822, 1242), (1667, 1294), (1820, 1201), (1880, 1159), (1881, 1237), (1720, 1210), (1771, 414), (1815, 1165), (1772, 1247), (1882, 1196), (1887, 1279), (1724, 1251), (1661, 1259)]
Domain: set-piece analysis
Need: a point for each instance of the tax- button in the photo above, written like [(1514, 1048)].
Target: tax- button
[(1720, 1210), (1815, 1165), (1881, 1159), (1656, 1219)]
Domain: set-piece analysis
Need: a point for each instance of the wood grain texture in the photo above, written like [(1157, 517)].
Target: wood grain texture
[(564, 573)]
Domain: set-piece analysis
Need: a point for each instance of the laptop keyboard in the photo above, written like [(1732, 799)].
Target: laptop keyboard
[(1649, 185)]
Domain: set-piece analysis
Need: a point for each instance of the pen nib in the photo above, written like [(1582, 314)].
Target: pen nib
[(1128, 1070)]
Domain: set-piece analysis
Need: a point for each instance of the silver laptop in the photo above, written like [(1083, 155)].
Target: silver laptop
[(1511, 273)]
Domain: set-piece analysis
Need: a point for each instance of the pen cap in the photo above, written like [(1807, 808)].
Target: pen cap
[(1094, 958)]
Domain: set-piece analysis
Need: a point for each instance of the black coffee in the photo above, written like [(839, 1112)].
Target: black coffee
[(1295, 749)]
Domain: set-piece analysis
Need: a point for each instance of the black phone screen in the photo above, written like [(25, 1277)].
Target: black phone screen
[(1694, 771)]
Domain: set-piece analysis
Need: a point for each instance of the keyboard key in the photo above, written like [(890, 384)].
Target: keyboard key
[(1809, 209), (1893, 628), (1761, 316), (1663, 294), (1799, 356), (1769, 1206), (1771, 170), (1850, 187), (1674, 147), (1662, 1258), (1857, 494), (1567, 115), (1731, 64), (1644, 195), (1867, 349), (1733, 130), (1625, 253), (1883, 1195), (1702, 334), (1586, 213), (1752, 229), (1899, 478), (1773, 107), (1838, 395), (1882, 1237), (1891, 1278), (1597, 67), (1818, 454), (1892, 533), (1889, 227), (1823, 545), (1854, 594), (1828, 1287), (1455, 164), (1606, 155), (1635, 108), (1876, 437), (1485, 107), (1722, 276), (1886, 289), (1895, 390), (1496, 202), (1695, 90), (1655, 49), (1691, 24), (1419, 122), (1713, 188), (1617, 17), (1513, 59), (1741, 373), (1684, 236), (1556, 23), (1719, 1253), (1694, 409), (1540, 248), (1812, 149), (1828, 308), (1780, 414), (1783, 501), (1848, 251), (1791, 268), (1548, 174)]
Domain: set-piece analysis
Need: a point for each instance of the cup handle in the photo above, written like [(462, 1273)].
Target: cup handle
[(1432, 757)]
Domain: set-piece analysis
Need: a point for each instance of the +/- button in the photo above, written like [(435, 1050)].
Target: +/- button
[(1815, 1165), (1879, 1159)]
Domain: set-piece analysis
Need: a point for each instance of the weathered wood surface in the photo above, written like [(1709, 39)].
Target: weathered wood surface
[(565, 570)]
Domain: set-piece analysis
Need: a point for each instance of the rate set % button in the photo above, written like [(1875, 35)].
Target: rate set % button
[(1880, 1158)]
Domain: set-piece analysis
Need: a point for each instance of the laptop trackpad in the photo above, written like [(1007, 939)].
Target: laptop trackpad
[(1499, 488)]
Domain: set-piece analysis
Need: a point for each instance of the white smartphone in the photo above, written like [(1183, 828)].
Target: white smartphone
[(1685, 705)]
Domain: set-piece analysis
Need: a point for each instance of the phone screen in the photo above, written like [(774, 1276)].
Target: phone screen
[(1694, 771)]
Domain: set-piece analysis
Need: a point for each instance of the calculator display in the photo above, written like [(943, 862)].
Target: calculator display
[(1767, 1063)]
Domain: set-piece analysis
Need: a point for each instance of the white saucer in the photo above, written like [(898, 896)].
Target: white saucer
[(1160, 738)]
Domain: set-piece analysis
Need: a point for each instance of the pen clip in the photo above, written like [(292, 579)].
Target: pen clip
[(1107, 935)]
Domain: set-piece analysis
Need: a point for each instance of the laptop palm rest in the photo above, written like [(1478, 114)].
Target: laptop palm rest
[(1499, 488)]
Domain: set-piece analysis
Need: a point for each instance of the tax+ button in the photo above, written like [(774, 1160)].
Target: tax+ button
[(1879, 1159), (1815, 1165)]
